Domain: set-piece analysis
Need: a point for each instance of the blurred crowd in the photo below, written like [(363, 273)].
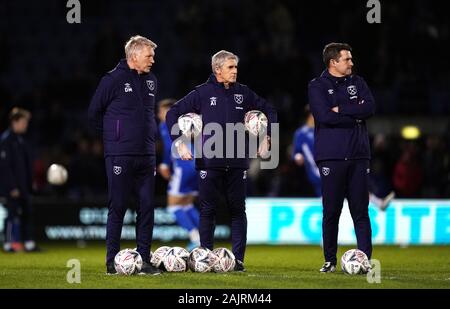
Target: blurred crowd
[(52, 68), (413, 169)]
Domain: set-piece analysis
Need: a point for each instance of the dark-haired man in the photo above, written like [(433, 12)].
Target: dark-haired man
[(340, 103)]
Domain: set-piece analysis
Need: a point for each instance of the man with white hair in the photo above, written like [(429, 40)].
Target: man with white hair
[(221, 101), (123, 109)]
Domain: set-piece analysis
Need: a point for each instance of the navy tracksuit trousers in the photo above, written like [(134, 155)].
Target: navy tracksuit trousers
[(230, 183), (345, 179), (19, 222), (129, 175)]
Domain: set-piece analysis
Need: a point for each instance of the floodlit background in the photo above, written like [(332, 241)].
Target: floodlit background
[(52, 68)]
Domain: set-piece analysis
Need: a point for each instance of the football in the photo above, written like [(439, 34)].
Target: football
[(255, 122), (355, 262), (190, 124), (175, 259), (202, 260), (157, 258), (128, 262), (174, 263), (57, 175), (226, 260)]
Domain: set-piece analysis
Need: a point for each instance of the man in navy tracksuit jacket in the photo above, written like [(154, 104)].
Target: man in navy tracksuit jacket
[(222, 100), (123, 109), (16, 182), (340, 103)]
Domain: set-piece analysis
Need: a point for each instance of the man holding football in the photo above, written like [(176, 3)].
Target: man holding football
[(222, 100), (340, 103), (123, 109)]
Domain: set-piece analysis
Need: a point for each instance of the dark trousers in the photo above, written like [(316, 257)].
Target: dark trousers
[(19, 223), (129, 175), (345, 179), (231, 183)]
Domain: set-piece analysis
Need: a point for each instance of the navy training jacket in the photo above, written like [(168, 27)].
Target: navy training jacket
[(343, 135), (15, 165), (216, 104), (123, 109)]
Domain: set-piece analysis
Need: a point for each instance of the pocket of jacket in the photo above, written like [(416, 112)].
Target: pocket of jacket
[(117, 129)]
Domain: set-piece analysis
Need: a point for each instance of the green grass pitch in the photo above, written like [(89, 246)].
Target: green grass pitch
[(273, 267)]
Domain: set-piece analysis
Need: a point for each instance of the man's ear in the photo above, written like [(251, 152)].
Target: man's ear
[(134, 57)]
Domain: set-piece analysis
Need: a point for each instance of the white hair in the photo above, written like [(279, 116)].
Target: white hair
[(136, 43), (219, 58)]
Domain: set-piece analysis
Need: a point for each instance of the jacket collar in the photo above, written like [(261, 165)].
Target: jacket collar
[(10, 132), (335, 79), (213, 80), (123, 65)]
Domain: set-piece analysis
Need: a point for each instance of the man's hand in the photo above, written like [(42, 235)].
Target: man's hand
[(263, 149), (335, 109), (164, 170), (299, 159), (183, 151), (15, 193)]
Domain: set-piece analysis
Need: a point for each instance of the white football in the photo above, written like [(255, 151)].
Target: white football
[(202, 260), (178, 251), (190, 124), (157, 258), (57, 174), (175, 259), (354, 262), (128, 262), (173, 263), (226, 260), (255, 122)]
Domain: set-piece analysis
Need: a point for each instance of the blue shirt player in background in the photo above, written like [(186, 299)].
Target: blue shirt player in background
[(303, 151), (183, 182)]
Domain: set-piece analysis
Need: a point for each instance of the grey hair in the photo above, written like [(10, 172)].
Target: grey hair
[(136, 43), (219, 58)]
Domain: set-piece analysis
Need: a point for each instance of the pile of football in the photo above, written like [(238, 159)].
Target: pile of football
[(177, 259)]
